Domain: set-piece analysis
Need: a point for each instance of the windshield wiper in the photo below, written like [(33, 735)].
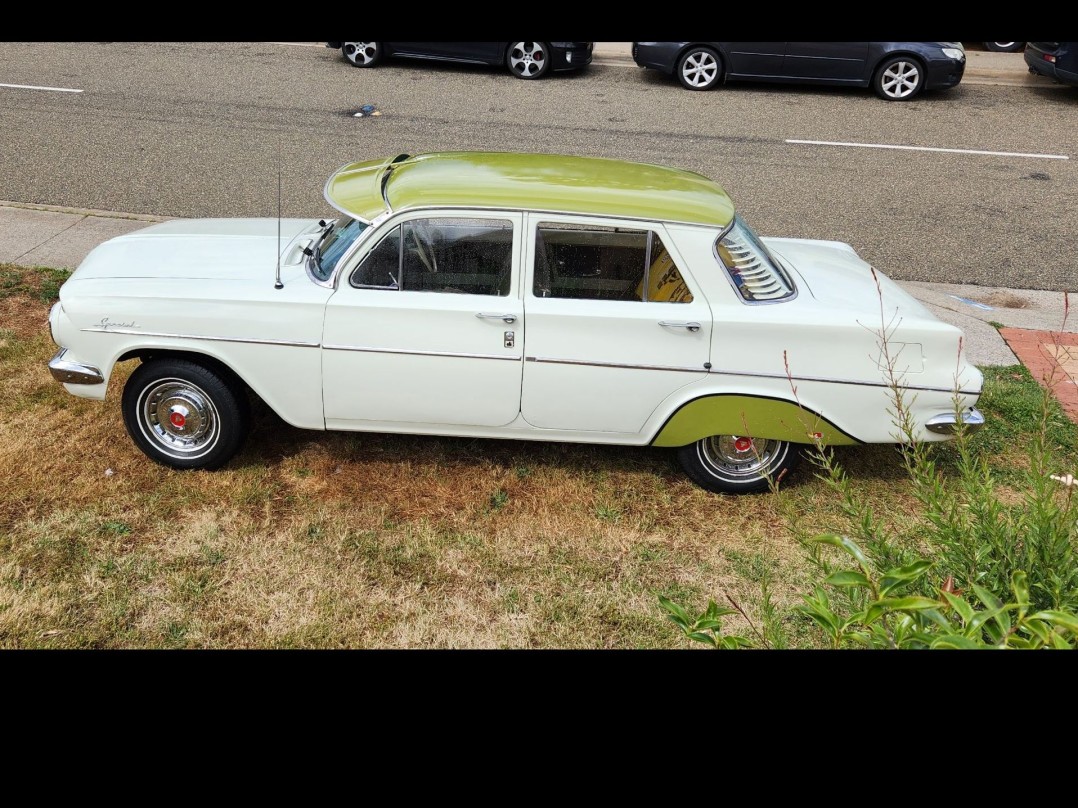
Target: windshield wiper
[(318, 244)]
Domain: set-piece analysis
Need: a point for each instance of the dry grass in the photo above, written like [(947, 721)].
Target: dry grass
[(340, 540)]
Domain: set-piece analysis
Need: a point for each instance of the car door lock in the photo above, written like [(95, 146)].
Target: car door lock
[(510, 339)]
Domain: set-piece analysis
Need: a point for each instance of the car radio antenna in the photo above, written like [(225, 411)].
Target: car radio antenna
[(277, 283)]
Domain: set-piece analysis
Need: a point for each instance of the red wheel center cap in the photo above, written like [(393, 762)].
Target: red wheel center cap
[(177, 419), (743, 444)]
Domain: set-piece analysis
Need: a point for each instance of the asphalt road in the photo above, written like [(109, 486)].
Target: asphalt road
[(200, 129)]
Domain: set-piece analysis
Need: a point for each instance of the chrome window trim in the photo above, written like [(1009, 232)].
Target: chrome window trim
[(644, 224), (767, 253), (206, 337)]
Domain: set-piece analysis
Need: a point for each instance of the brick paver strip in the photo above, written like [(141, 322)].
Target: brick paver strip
[(1052, 359)]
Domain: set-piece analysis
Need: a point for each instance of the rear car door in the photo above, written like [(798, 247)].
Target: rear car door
[(615, 323)]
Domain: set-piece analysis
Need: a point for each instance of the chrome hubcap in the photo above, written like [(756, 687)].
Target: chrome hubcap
[(739, 456), (179, 417)]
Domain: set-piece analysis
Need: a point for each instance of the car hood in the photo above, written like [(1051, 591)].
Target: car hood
[(199, 249), (838, 278)]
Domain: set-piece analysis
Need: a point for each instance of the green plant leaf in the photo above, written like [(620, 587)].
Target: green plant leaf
[(847, 578), (893, 578), (912, 603), (846, 544), (965, 611), (673, 609), (700, 636), (955, 641), (1055, 617), (1020, 585)]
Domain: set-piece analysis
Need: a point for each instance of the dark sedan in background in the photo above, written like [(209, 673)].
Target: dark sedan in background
[(525, 60), (896, 71), (1056, 60)]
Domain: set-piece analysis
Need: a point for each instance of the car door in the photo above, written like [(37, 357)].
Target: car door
[(427, 326), (826, 61), (615, 324), (759, 59)]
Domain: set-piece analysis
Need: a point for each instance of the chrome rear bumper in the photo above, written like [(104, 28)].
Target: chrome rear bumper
[(947, 423), (67, 372)]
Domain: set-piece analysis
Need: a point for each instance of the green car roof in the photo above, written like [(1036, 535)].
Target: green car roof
[(541, 182)]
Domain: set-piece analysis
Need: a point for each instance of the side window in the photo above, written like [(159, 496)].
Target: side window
[(592, 262), (451, 255), (381, 268)]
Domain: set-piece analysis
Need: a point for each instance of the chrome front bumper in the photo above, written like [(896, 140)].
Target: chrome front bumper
[(67, 372), (947, 423)]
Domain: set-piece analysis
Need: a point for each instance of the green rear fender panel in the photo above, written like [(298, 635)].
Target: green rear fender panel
[(750, 416)]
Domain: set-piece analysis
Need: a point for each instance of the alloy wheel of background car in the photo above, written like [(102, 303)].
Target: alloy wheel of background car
[(184, 415), (362, 54), (736, 464), (898, 79), (699, 69), (528, 60), (1004, 47)]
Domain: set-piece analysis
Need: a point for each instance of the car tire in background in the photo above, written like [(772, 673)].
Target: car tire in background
[(898, 78), (735, 464), (528, 60), (362, 54), (1004, 47), (184, 415), (699, 68)]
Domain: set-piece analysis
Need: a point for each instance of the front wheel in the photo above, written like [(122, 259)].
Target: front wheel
[(699, 69), (362, 54), (899, 78), (528, 60), (736, 464), (184, 415), (1004, 47)]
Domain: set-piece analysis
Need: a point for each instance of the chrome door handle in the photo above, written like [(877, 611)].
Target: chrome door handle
[(505, 318), (694, 327)]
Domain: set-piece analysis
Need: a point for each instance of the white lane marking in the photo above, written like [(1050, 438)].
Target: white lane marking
[(928, 148), (300, 44), (31, 87)]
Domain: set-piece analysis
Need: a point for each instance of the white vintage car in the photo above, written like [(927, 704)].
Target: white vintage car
[(503, 295)]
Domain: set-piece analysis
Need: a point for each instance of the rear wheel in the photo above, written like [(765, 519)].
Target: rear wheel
[(528, 60), (699, 69), (899, 78), (184, 415), (1004, 47), (362, 54), (736, 464)]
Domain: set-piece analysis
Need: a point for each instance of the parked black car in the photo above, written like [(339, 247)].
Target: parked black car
[(1056, 60), (525, 60), (897, 71)]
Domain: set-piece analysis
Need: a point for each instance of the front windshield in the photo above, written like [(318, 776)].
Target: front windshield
[(339, 236)]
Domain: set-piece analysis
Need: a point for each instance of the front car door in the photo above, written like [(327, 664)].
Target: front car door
[(615, 324), (427, 326), (826, 61)]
